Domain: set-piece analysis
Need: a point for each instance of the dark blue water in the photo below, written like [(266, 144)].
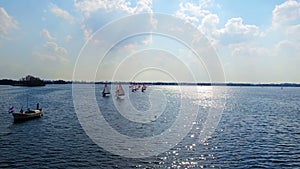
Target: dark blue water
[(259, 128)]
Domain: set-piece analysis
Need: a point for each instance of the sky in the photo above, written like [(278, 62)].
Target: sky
[(256, 41)]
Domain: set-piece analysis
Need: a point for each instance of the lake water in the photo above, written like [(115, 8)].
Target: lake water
[(258, 128)]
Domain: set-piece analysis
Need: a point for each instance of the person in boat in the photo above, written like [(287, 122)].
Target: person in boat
[(22, 111), (38, 107)]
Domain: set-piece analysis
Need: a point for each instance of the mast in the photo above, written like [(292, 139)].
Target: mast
[(27, 100)]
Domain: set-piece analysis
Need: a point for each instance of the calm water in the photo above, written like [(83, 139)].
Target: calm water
[(259, 128)]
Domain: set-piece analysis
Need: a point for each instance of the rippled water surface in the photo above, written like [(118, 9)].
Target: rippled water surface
[(259, 127)]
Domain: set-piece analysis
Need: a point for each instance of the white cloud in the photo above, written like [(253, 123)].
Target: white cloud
[(68, 38), (286, 13), (286, 26), (293, 32), (243, 45), (235, 31), (143, 6), (62, 13), (63, 59), (236, 26), (242, 50), (95, 10), (130, 47), (49, 57), (148, 40), (192, 13), (55, 49), (52, 52), (209, 24), (46, 34), (45, 57), (250, 52), (87, 32), (287, 48), (90, 6), (284, 44), (7, 23)]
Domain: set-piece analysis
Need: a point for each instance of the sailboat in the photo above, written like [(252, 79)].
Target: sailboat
[(105, 91), (120, 92), (144, 87), (134, 88)]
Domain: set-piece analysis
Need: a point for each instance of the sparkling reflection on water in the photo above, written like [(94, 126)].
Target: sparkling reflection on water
[(259, 129)]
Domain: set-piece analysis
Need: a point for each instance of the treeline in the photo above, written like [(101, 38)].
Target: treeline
[(24, 81), (29, 81), (57, 82), (7, 82)]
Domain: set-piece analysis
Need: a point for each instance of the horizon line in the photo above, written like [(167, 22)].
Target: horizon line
[(169, 82)]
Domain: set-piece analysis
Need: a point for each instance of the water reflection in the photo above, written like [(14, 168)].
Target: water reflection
[(259, 129)]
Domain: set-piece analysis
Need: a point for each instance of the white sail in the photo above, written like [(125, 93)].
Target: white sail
[(120, 90), (105, 90), (144, 87)]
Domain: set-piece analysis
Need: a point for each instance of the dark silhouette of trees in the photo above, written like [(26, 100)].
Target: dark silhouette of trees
[(30, 81)]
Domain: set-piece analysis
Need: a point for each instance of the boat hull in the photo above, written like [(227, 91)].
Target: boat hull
[(19, 117), (121, 97), (105, 94)]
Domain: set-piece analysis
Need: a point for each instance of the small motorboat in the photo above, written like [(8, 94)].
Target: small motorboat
[(27, 115)]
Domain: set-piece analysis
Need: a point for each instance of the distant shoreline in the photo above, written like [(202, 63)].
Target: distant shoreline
[(28, 81), (13, 82)]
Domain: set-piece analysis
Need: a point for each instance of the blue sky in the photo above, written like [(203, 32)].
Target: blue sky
[(255, 41)]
